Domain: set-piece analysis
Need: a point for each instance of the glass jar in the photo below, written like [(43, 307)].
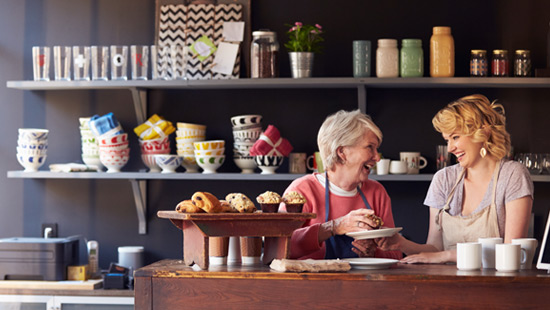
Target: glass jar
[(500, 63), (387, 58), (442, 53), (264, 54), (478, 63), (412, 58), (522, 63)]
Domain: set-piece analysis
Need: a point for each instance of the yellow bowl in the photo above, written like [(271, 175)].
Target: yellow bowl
[(209, 145)]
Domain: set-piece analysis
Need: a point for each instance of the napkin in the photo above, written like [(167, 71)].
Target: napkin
[(271, 143), (72, 167), (155, 127), (105, 125)]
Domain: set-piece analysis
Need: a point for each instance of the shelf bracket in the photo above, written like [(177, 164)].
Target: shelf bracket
[(362, 98), (139, 97), (139, 187)]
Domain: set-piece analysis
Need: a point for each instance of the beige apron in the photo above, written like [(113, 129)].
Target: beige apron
[(469, 228)]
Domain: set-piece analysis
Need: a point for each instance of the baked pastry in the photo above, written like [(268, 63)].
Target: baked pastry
[(377, 220), (187, 206), (269, 201), (227, 208), (240, 202), (294, 202), (207, 202)]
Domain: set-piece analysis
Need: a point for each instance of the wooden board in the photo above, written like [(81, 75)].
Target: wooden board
[(52, 285)]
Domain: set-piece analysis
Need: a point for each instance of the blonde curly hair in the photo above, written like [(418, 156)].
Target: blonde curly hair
[(477, 117)]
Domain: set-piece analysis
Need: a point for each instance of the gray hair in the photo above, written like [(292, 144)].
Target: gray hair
[(343, 128)]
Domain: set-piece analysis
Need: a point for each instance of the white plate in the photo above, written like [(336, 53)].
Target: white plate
[(370, 263), (375, 233)]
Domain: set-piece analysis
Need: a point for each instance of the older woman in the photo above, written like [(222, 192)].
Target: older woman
[(343, 196), (484, 195)]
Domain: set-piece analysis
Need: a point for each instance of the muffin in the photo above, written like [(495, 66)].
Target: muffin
[(241, 203), (269, 201), (294, 202)]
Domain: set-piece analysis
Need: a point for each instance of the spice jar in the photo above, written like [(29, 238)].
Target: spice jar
[(500, 63), (412, 58), (522, 63), (442, 53), (478, 63), (387, 58), (264, 54)]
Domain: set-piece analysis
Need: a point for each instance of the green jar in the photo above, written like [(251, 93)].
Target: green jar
[(412, 58)]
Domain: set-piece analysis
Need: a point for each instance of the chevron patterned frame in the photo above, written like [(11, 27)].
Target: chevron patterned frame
[(173, 17)]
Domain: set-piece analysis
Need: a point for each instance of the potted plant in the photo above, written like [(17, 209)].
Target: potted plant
[(303, 42)]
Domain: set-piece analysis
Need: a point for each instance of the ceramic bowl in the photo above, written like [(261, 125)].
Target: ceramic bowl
[(248, 135), (245, 163), (267, 163), (92, 160), (210, 164), (120, 146), (84, 122), (181, 125), (168, 162), (155, 146), (209, 145), (189, 163), (113, 140), (191, 133), (246, 121), (33, 134), (28, 151), (33, 145), (31, 163), (243, 147), (216, 152), (150, 162), (114, 161)]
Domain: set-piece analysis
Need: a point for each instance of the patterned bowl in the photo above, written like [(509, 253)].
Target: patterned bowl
[(31, 163), (210, 164), (267, 163), (168, 162)]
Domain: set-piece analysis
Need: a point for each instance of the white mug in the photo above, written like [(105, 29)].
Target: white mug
[(413, 160), (468, 256), (383, 167), (509, 257), (488, 251), (530, 246), (297, 162), (398, 167)]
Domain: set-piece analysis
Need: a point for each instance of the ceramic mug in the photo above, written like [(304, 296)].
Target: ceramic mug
[(488, 251), (509, 257), (315, 163), (530, 246), (398, 167), (383, 167), (468, 256), (297, 162), (413, 160)]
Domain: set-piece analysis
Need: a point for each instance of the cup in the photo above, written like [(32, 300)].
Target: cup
[(397, 167), (251, 250), (297, 162), (315, 163), (41, 63), (234, 252), (131, 256), (119, 62), (140, 61), (468, 256), (218, 249), (530, 246), (383, 166), (442, 157), (81, 63), (100, 62), (488, 251), (361, 58), (178, 61), (413, 160), (160, 62), (509, 257), (62, 63)]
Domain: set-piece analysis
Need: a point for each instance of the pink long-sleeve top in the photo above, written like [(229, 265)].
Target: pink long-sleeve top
[(305, 242)]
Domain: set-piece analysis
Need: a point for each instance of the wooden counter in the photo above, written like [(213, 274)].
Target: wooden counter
[(170, 284)]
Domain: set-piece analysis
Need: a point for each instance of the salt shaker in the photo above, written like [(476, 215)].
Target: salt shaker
[(387, 58)]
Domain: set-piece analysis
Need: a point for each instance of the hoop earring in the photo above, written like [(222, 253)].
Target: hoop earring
[(483, 152)]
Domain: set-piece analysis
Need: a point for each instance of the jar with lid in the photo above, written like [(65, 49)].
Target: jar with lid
[(264, 54), (387, 58), (442, 53), (522, 63), (412, 58), (500, 63), (478, 63)]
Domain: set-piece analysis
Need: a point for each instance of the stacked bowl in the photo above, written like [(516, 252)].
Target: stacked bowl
[(246, 131), (210, 155), (114, 152), (32, 146), (186, 135), (150, 148), (90, 145)]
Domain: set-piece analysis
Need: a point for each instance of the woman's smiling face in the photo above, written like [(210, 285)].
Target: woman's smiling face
[(465, 150), (359, 159)]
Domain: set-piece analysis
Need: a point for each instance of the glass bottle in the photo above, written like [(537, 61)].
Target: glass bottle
[(478, 63), (264, 54), (522, 63), (412, 58), (499, 63), (442, 53), (387, 58)]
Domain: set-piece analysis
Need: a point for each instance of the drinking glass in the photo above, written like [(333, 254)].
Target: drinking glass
[(41, 63), (81, 63), (533, 163), (62, 63), (546, 163), (140, 61), (119, 62), (160, 62), (442, 157), (177, 61), (100, 63)]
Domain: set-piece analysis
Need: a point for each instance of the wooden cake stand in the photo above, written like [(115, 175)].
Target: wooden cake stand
[(277, 229)]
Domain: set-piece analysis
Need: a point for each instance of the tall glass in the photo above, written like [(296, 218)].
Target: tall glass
[(160, 62), (100, 63), (81, 63), (62, 62), (41, 63), (140, 61), (119, 62)]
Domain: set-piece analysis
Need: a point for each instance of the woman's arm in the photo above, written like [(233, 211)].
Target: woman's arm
[(518, 215)]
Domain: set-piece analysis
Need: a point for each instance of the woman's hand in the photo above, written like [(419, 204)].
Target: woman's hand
[(430, 258), (356, 220), (392, 243), (364, 248)]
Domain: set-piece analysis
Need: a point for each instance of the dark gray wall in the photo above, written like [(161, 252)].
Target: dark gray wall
[(104, 210)]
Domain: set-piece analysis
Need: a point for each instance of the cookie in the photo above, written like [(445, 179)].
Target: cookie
[(240, 202), (187, 206), (207, 202), (377, 220)]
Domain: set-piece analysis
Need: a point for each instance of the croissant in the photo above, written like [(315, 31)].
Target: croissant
[(187, 206), (207, 202)]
